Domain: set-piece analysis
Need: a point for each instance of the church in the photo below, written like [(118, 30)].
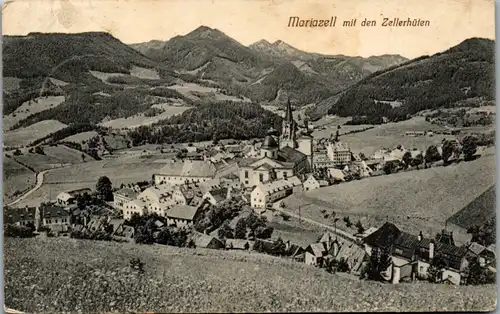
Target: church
[(279, 157)]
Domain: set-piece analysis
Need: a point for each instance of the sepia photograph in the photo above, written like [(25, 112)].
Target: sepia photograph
[(214, 156)]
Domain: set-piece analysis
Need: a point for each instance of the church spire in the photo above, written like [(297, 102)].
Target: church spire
[(288, 112)]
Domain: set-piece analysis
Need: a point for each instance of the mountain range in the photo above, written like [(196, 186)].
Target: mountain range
[(261, 70), (465, 72), (90, 65)]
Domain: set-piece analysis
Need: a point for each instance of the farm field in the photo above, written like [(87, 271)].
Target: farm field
[(141, 119), (392, 134), (24, 136), (97, 277), (144, 73), (30, 107), (80, 137), (16, 178), (300, 233), (53, 157), (420, 200), (120, 170), (191, 90)]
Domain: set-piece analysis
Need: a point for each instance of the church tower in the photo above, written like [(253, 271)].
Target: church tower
[(288, 129)]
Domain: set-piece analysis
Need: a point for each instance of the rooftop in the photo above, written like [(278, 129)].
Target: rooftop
[(279, 185), (291, 155), (182, 212)]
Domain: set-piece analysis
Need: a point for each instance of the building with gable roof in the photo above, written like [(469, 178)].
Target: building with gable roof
[(265, 194)]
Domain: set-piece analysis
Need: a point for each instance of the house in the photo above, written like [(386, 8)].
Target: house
[(485, 255), (265, 194), (216, 196), (136, 206), (182, 215), (339, 153), (230, 180), (312, 183), (69, 197), (413, 255), (124, 232), (122, 197), (53, 217), (208, 242), (315, 254), (339, 248), (20, 216), (193, 171)]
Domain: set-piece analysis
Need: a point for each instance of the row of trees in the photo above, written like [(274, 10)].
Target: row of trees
[(249, 227)]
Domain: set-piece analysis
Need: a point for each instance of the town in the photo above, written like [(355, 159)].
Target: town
[(224, 197)]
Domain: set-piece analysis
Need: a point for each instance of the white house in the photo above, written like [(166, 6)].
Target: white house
[(134, 207), (266, 194), (123, 197)]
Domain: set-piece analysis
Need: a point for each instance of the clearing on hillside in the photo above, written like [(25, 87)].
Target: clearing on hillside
[(16, 179), (11, 84), (25, 136), (30, 107), (97, 277), (392, 134), (143, 73), (141, 119), (193, 91), (419, 200), (80, 137)]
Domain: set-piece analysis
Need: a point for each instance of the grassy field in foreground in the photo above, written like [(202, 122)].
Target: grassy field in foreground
[(419, 200), (61, 275)]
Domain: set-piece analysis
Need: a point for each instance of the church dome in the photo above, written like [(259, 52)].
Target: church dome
[(269, 142)]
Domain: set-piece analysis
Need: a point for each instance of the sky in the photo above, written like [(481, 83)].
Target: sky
[(133, 21)]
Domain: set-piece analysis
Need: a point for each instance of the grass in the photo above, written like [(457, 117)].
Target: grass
[(55, 156), (16, 177), (392, 134), (420, 200), (67, 275), (144, 73), (80, 137), (140, 119), (24, 136), (28, 108)]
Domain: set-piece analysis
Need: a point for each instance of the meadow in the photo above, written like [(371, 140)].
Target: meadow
[(16, 178), (30, 107), (419, 200), (67, 275), (24, 136)]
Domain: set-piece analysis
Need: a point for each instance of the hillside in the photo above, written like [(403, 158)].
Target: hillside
[(96, 277), (72, 65), (465, 71), (223, 120), (262, 69)]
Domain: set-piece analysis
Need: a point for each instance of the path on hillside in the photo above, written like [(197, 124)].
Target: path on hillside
[(39, 182), (334, 230)]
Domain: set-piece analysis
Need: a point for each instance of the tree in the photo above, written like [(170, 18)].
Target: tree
[(347, 221), (389, 167), (263, 232), (279, 248), (104, 188), (83, 157), (360, 227), (469, 147), (407, 159), (417, 161), (240, 231), (434, 273), (477, 275), (17, 152), (225, 231), (432, 154), (485, 234), (380, 261), (447, 151)]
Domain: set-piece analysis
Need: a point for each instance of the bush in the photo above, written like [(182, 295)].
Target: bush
[(18, 231)]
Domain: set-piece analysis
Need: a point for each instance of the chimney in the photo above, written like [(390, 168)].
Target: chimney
[(420, 236), (431, 249)]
